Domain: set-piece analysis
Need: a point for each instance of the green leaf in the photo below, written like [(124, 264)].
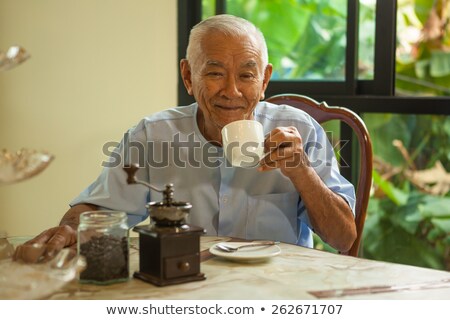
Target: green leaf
[(440, 63), (447, 241), (376, 121), (321, 245), (385, 129), (421, 68), (433, 235), (446, 126), (443, 224), (422, 9), (395, 195), (408, 219), (436, 207), (374, 207)]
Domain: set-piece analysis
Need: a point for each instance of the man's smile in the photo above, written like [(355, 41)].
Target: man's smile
[(230, 108)]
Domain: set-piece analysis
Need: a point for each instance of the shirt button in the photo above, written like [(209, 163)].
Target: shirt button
[(224, 199)]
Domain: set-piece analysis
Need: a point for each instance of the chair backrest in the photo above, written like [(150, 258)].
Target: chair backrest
[(321, 112)]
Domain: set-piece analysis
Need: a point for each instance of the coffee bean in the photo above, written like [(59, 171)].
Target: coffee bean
[(106, 259)]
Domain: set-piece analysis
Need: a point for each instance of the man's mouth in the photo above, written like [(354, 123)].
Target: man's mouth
[(231, 108)]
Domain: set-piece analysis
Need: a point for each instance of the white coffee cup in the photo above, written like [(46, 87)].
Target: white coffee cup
[(243, 143)]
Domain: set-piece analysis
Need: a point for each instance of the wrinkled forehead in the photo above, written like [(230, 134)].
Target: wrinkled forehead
[(216, 48)]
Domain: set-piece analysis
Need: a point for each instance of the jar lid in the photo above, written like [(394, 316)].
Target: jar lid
[(103, 217)]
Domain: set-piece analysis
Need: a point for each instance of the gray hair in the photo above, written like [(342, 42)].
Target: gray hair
[(228, 25)]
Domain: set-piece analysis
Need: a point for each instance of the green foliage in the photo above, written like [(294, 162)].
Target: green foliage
[(427, 137), (400, 217), (415, 232), (305, 38), (394, 194), (385, 128), (423, 57)]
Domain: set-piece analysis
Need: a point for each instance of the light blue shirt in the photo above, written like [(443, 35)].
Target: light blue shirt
[(226, 201)]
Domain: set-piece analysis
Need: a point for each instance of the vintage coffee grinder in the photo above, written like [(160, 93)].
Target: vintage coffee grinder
[(169, 249)]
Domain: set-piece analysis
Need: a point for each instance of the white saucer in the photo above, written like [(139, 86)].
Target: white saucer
[(250, 254)]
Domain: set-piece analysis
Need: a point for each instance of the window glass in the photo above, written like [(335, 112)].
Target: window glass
[(208, 8), (306, 38), (366, 46), (423, 48)]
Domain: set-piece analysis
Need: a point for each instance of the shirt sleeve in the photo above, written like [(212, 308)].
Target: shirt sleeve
[(322, 158)]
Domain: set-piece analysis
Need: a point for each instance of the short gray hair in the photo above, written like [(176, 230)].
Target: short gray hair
[(228, 25)]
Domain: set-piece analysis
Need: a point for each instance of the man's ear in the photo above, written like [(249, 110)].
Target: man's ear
[(186, 75), (267, 75)]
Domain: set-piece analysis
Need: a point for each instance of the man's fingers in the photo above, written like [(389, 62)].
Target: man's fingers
[(43, 237), (284, 151), (46, 245), (34, 250), (282, 137), (63, 237), (29, 253), (282, 146)]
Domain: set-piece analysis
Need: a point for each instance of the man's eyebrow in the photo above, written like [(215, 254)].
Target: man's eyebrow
[(214, 63), (249, 64), (246, 64)]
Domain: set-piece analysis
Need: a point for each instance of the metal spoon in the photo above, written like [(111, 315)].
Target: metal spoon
[(226, 248)]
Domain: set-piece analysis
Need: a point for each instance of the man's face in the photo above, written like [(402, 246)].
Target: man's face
[(227, 79)]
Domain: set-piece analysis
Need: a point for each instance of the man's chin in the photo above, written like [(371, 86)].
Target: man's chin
[(223, 116)]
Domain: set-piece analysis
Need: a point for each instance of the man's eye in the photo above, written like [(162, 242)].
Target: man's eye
[(247, 76), (214, 74)]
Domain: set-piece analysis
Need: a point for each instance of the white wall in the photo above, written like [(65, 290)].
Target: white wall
[(96, 68)]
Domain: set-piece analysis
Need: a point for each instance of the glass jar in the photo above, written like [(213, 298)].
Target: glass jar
[(103, 241), (6, 248)]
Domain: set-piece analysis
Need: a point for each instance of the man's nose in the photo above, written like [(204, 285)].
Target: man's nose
[(231, 89)]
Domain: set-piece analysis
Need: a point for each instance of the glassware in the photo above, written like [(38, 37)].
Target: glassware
[(103, 241), (13, 57), (22, 164), (6, 248)]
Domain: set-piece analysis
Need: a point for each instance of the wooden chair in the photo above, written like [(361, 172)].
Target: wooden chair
[(321, 112)]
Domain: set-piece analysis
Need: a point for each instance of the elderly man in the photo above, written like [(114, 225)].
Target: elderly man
[(296, 188)]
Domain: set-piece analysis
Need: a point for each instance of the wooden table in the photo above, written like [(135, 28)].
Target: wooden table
[(297, 273)]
